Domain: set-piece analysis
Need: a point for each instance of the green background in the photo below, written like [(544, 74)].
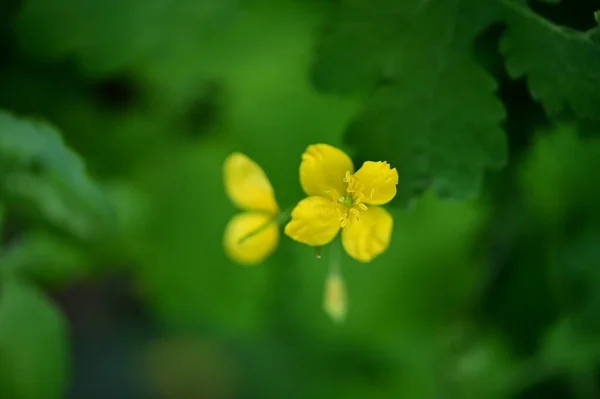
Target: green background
[(116, 117)]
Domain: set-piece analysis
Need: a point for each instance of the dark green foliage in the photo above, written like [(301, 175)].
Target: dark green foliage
[(116, 117)]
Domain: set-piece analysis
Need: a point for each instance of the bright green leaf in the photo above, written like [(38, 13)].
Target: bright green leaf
[(33, 345), (38, 169), (437, 119), (561, 64)]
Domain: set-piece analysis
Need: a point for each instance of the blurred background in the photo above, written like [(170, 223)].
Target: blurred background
[(116, 118)]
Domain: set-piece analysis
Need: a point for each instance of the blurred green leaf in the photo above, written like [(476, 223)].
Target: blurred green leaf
[(565, 349), (580, 275), (46, 258), (181, 265), (554, 176), (273, 112), (33, 344), (561, 64), (483, 369), (435, 116), (38, 169), (111, 35)]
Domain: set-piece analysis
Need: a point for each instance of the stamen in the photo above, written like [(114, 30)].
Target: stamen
[(355, 212), (343, 223), (372, 193), (362, 206), (347, 177)]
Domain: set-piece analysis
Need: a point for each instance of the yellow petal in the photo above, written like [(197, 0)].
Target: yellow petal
[(315, 221), (322, 170), (378, 182), (369, 236), (256, 248), (247, 185), (336, 302)]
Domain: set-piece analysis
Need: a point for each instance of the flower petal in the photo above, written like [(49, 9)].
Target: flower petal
[(247, 185), (322, 170), (379, 182), (315, 221), (369, 236), (255, 248)]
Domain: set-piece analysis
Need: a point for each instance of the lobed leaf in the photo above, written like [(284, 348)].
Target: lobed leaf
[(33, 345), (433, 112), (562, 65)]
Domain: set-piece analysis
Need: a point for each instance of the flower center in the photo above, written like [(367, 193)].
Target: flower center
[(352, 202)]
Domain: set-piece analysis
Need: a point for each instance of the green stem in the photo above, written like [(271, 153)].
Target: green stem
[(335, 253), (280, 218)]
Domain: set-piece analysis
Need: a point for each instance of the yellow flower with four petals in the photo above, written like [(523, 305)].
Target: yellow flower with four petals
[(251, 236), (339, 198)]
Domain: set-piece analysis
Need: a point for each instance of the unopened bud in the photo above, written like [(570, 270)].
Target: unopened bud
[(335, 303)]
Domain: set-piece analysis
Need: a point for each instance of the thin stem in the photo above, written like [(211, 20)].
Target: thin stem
[(335, 253), (280, 218)]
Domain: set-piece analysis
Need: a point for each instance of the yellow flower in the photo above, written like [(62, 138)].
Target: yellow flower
[(338, 199), (251, 236)]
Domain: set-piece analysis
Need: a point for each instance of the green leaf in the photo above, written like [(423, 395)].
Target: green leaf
[(38, 169), (108, 36), (183, 263), (45, 257), (554, 177), (33, 345), (561, 64), (580, 277), (436, 118)]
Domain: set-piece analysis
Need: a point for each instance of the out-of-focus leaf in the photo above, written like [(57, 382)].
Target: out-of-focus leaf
[(561, 64), (566, 350), (579, 277), (182, 266), (554, 177), (39, 170), (273, 112), (110, 35), (132, 209), (484, 369), (33, 344), (43, 257), (436, 117)]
